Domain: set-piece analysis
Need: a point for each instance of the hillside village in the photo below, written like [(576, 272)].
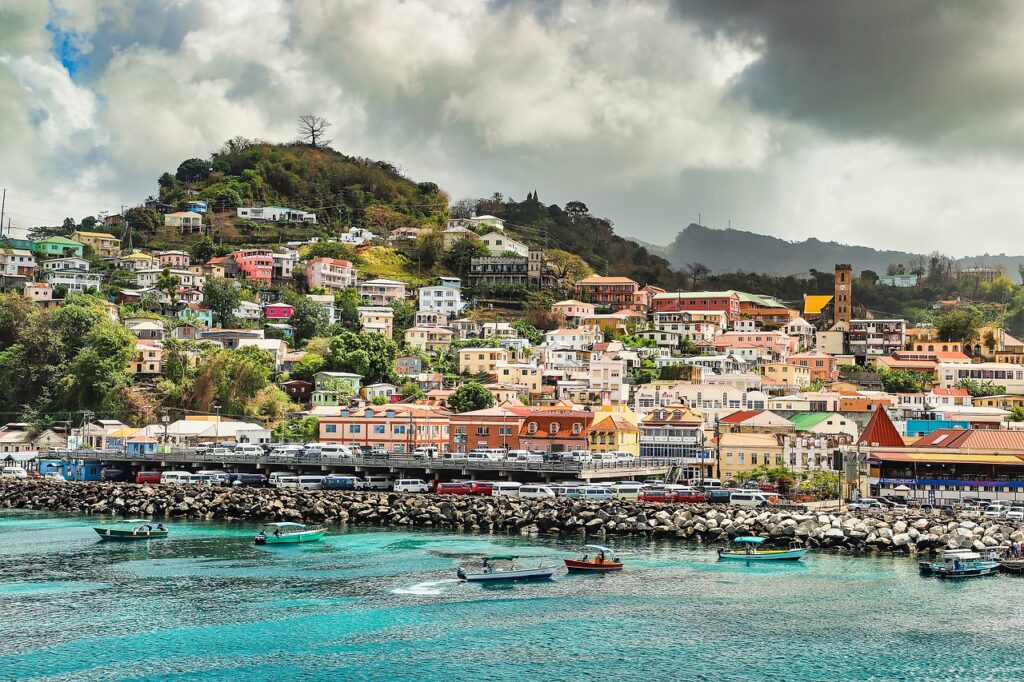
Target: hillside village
[(397, 332)]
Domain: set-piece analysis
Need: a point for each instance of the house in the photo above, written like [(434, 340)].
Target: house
[(487, 221), (498, 330), (299, 391), (230, 338), (17, 263), (75, 280), (481, 360), (42, 294), (356, 236), (275, 214), (381, 291), (555, 430), (509, 271), (56, 247), (406, 234), (103, 244), (145, 328), (698, 301), (136, 261), (874, 338), (607, 377), (464, 328), (742, 452), (580, 338), (65, 263), (253, 264), (446, 297), (615, 432), (174, 259), (823, 367), (820, 424), (147, 279), (197, 206), (430, 318), (276, 347), (148, 360), (284, 263), (278, 311), (377, 318), (1009, 378), (500, 244), (185, 222), (572, 310), (97, 434), (801, 330), (766, 310), (19, 437), (248, 310), (330, 273), (196, 429), (899, 281), (327, 302), (785, 376), (408, 365), (395, 428), (674, 431), (455, 234), (754, 421), (524, 376), (430, 339), (491, 428), (389, 392), (335, 388), (614, 293)]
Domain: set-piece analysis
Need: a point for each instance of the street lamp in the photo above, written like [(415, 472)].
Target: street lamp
[(216, 425)]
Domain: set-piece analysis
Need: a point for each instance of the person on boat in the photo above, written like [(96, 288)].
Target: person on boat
[(600, 558), (747, 549), (160, 527), (956, 564), (586, 558), (149, 528), (277, 533)]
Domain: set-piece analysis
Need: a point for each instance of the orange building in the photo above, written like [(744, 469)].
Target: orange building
[(822, 365), (495, 427), (610, 292), (395, 428), (555, 430)]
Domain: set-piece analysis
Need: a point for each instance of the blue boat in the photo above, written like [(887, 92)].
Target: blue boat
[(747, 548), (960, 565)]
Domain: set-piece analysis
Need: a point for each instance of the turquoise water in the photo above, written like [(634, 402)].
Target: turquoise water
[(383, 605)]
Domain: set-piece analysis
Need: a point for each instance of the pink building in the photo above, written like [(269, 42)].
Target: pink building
[(254, 264), (780, 345), (278, 311), (572, 309), (698, 301), (174, 259), (822, 365), (330, 273)]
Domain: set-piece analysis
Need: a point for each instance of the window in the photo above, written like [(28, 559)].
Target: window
[(576, 428), (483, 430), (354, 428), (554, 428), (331, 428), (378, 429), (531, 427)]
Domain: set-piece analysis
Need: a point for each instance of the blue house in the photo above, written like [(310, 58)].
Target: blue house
[(140, 446), (198, 206)]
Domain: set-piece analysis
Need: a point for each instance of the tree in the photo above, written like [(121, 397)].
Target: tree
[(328, 250), (69, 226), (979, 389), (464, 208), (403, 317), (99, 369), (222, 297), (193, 170), (381, 219), (470, 396), (903, 381), (460, 257), (347, 301), (312, 129), (429, 248), (959, 326), (370, 355), (576, 210), (89, 222), (309, 319), (568, 265), (411, 391), (1016, 414), (168, 283), (202, 251), (144, 220), (698, 272)]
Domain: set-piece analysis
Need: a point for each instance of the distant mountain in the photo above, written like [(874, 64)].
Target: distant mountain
[(731, 250)]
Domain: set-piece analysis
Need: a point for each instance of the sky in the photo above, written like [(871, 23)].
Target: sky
[(891, 124)]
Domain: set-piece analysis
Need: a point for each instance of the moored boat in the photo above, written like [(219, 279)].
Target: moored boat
[(286, 532), (600, 563), (1011, 564), (987, 554), (748, 548), (132, 529), (491, 573), (961, 565)]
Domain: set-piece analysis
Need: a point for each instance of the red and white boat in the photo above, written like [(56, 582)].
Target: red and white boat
[(601, 562)]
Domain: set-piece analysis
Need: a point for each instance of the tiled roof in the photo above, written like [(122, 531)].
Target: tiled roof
[(740, 417), (881, 432), (597, 279)]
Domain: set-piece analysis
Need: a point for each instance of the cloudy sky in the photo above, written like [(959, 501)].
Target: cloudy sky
[(892, 124)]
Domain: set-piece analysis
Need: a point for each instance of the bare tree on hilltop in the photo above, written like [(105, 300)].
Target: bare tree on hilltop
[(312, 129)]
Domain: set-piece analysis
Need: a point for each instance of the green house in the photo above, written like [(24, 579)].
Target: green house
[(333, 388), (56, 247)]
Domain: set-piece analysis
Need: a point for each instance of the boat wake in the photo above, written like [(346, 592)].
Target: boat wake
[(426, 588)]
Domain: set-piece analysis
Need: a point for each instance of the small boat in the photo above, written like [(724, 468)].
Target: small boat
[(132, 529), (286, 532), (963, 565), (748, 549), (599, 564), (987, 554), (1011, 565), (490, 573)]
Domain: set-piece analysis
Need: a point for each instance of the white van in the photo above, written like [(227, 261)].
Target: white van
[(535, 491), (527, 457), (750, 498), (312, 448), (274, 480), (627, 490), (707, 482), (570, 491), (596, 493), (13, 472), (310, 482), (334, 451), (175, 478), (411, 485), (249, 450), (485, 456), (426, 453), (377, 483), (214, 477), (506, 489)]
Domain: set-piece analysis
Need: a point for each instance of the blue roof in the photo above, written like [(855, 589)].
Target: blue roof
[(749, 540)]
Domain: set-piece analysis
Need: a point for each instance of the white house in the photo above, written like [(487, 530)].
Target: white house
[(68, 263), (608, 375), (499, 244), (275, 214), (446, 299), (75, 280), (381, 291), (580, 338), (248, 310), (356, 236), (802, 330), (186, 278)]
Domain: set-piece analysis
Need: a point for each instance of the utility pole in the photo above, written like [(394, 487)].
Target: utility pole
[(3, 205)]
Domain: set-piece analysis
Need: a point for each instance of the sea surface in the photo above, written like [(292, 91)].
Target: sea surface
[(362, 604)]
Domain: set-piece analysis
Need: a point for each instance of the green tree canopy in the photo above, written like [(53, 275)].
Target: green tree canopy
[(222, 297), (470, 396)]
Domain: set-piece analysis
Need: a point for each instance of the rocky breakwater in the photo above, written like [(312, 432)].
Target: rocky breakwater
[(598, 519)]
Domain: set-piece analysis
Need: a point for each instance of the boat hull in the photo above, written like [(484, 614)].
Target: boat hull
[(762, 555), (1012, 565), (540, 573), (290, 538), (114, 535), (575, 566), (973, 572)]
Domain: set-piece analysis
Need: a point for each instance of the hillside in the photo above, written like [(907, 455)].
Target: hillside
[(737, 250)]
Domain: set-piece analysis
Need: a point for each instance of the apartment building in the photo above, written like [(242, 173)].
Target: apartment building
[(330, 273)]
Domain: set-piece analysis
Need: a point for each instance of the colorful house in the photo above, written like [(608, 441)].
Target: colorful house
[(103, 244), (494, 427), (556, 430), (278, 311), (397, 428), (57, 246)]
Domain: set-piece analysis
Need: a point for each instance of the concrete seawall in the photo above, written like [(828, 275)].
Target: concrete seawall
[(592, 519)]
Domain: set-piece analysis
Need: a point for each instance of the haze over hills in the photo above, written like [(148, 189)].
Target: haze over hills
[(731, 250)]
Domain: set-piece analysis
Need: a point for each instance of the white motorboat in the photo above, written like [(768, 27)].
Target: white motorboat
[(490, 572)]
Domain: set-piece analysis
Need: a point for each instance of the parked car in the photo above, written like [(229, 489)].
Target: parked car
[(657, 494), (690, 495), (996, 510), (342, 482), (426, 453), (330, 452), (885, 501), (505, 489), (1016, 513), (454, 488), (926, 509), (114, 474), (148, 477), (752, 498), (589, 492), (53, 476), (378, 483), (535, 491), (865, 504), (480, 488), (214, 477), (970, 511), (13, 472), (250, 480), (717, 495), (899, 508), (411, 485)]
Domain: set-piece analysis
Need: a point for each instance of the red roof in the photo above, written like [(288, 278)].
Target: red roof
[(881, 432), (739, 417), (957, 392), (1001, 440)]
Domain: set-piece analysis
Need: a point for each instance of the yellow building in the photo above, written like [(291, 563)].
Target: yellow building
[(794, 376), (522, 373), (482, 361), (379, 319), (103, 245), (430, 339), (745, 451), (148, 358), (615, 431)]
